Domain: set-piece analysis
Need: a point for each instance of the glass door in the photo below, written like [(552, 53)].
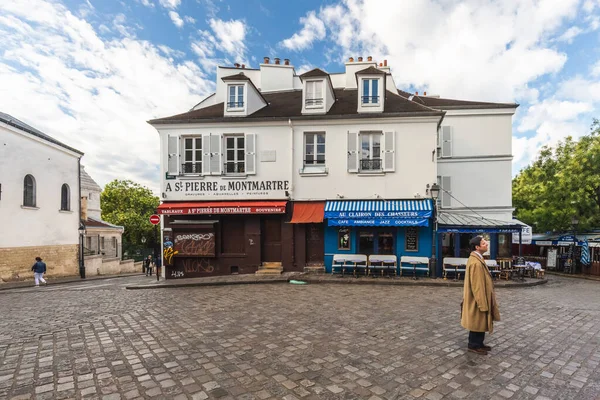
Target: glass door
[(373, 241)]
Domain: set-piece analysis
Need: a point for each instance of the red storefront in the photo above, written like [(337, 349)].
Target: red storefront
[(221, 238)]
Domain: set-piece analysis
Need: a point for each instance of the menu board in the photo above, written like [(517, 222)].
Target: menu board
[(195, 244), (412, 238)]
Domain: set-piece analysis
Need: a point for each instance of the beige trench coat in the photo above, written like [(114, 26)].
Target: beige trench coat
[(480, 308)]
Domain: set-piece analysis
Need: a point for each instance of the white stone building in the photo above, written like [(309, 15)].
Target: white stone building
[(345, 157), (39, 201)]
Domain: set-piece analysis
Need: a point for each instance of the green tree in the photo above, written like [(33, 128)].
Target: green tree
[(562, 183), (130, 205)]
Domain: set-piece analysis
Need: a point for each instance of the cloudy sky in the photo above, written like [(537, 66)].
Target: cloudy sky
[(91, 72)]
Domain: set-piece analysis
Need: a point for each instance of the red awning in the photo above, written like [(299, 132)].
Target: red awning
[(308, 212), (223, 207)]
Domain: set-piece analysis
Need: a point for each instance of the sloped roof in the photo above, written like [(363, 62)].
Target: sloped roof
[(370, 71), (453, 104), (87, 182), (313, 73), (467, 220), (14, 122), (284, 105), (98, 223), (236, 77)]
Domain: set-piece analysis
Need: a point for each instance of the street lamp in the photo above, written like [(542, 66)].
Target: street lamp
[(434, 191), (81, 255), (574, 222)]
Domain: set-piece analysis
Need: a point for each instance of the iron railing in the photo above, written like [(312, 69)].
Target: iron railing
[(313, 102), (235, 104), (370, 164), (235, 167), (370, 99), (191, 168), (313, 161)]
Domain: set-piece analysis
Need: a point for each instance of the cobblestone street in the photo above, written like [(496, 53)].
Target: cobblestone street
[(281, 341)]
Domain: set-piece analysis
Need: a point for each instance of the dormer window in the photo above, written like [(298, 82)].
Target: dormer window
[(235, 99), (370, 92), (314, 94)]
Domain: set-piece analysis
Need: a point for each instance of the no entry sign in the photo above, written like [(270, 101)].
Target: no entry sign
[(155, 219)]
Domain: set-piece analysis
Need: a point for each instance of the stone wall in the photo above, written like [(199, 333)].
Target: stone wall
[(97, 265), (16, 262)]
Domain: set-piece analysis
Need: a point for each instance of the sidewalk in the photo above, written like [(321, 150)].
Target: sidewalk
[(60, 280), (313, 279), (576, 276)]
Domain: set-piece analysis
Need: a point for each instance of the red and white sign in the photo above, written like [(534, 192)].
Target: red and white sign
[(223, 208), (155, 219)]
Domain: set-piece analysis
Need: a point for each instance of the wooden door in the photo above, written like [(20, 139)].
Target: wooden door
[(315, 244), (271, 239)]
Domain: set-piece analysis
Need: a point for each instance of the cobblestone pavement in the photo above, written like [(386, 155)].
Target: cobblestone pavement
[(283, 341)]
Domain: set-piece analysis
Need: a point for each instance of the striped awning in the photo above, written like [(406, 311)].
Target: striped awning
[(379, 208)]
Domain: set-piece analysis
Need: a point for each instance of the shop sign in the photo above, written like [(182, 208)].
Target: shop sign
[(223, 210), (477, 230), (235, 188), (378, 222), (377, 214), (543, 242)]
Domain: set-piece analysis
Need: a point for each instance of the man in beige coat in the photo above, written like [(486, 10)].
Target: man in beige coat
[(479, 309)]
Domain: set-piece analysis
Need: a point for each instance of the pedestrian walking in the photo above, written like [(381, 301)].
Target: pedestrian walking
[(479, 307), (39, 268), (147, 264), (158, 263)]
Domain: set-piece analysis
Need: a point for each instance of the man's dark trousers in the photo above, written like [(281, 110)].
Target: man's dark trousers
[(476, 339)]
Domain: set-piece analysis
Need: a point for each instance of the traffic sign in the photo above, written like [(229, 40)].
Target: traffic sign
[(155, 219)]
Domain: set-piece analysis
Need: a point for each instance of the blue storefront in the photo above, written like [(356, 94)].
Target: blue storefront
[(369, 227)]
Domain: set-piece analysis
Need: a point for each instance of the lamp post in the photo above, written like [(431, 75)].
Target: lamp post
[(574, 222), (81, 255), (434, 191)]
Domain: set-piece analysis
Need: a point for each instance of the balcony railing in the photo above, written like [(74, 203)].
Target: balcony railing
[(313, 102), (235, 104), (370, 99), (370, 164), (191, 168), (235, 167), (312, 161)]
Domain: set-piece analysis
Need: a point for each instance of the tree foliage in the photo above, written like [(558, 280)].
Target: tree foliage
[(130, 205), (562, 183)]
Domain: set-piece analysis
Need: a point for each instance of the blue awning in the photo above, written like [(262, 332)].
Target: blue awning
[(379, 209)]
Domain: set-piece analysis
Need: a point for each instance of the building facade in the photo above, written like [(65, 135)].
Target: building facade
[(39, 201), (282, 169)]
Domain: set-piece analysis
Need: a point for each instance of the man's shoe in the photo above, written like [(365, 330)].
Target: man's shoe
[(479, 351), (486, 348)]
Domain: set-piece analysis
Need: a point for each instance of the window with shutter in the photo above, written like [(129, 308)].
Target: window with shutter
[(192, 155), (389, 154), (446, 141), (370, 152), (314, 148), (314, 94), (235, 154), (446, 184), (250, 153), (352, 152), (235, 98), (215, 154), (173, 155)]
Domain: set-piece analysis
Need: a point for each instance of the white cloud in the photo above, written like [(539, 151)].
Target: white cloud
[(595, 72), (579, 88), (176, 19), (229, 37), (146, 3), (304, 68), (570, 34), (94, 94), (551, 110), (189, 19), (313, 29), (172, 4)]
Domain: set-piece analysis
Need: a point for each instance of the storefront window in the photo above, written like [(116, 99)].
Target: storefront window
[(448, 244), (343, 239), (386, 243), (366, 243), (504, 244)]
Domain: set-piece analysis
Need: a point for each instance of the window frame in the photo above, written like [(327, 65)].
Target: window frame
[(238, 104), (315, 146), (362, 160), (195, 163), (32, 195), (314, 102), (369, 93), (65, 198), (236, 149)]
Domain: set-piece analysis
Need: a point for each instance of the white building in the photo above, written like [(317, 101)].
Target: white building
[(39, 201), (348, 156)]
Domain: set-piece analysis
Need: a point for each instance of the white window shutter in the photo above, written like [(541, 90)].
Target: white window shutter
[(251, 153), (205, 154), (447, 186), (173, 155), (446, 141), (215, 154), (389, 152), (352, 151)]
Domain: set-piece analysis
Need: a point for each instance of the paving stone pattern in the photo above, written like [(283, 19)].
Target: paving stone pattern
[(283, 341)]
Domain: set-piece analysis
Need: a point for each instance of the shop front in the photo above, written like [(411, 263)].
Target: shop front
[(223, 238), (378, 227)]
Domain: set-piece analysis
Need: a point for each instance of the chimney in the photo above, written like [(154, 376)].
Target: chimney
[(243, 65), (351, 59), (84, 208), (286, 61), (369, 58), (385, 63), (277, 60), (381, 64), (416, 93), (359, 59), (424, 93), (267, 60), (236, 65)]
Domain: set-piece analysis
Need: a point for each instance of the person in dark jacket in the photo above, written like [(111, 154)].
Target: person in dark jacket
[(148, 265), (158, 264), (39, 268)]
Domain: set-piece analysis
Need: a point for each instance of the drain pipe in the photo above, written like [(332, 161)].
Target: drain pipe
[(291, 191)]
